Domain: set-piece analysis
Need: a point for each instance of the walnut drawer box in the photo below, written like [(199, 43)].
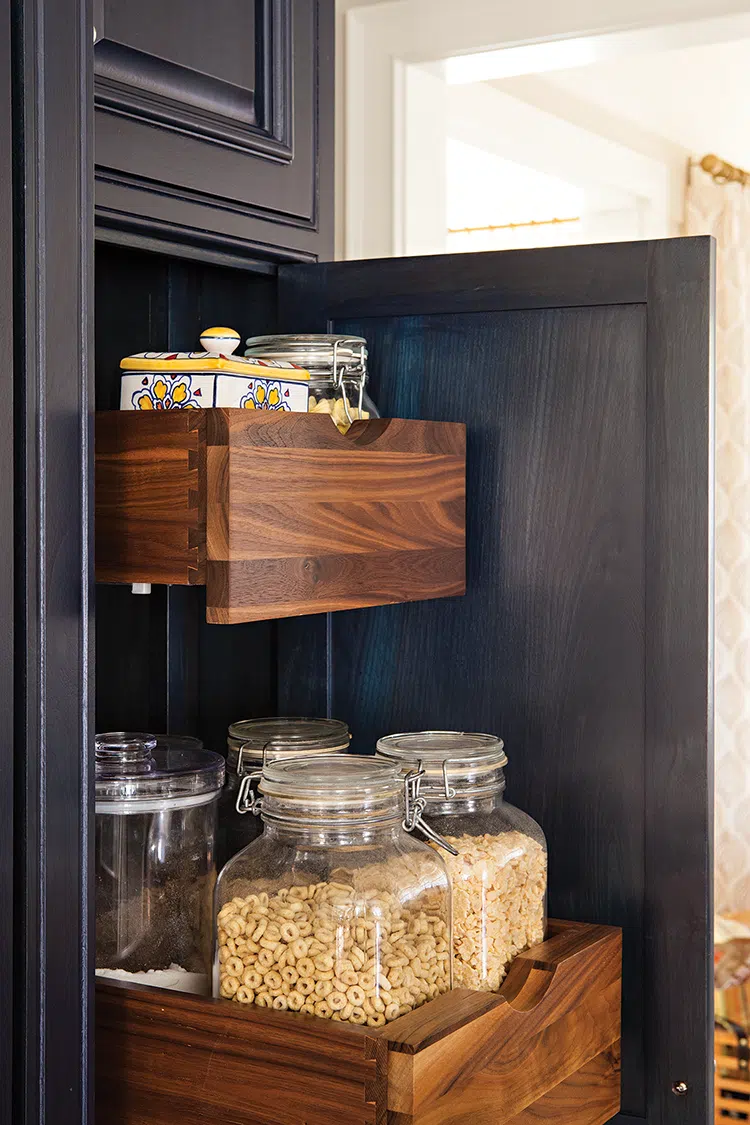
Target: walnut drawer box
[(546, 1048), (280, 514)]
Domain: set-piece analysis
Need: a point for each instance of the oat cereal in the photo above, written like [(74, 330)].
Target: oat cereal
[(332, 951)]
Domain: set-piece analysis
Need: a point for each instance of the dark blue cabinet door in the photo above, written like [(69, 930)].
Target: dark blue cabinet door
[(214, 125), (585, 378)]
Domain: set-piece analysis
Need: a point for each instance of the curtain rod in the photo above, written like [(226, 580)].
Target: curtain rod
[(722, 172), (514, 226)]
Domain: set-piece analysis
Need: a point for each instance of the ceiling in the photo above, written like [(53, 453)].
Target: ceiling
[(695, 97)]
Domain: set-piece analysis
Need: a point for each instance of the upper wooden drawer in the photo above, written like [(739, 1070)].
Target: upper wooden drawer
[(279, 514)]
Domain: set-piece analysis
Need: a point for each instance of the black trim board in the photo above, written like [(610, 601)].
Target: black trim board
[(52, 433)]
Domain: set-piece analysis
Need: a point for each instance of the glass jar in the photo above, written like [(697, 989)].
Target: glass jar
[(499, 876), (247, 742), (155, 872), (335, 909), (338, 372)]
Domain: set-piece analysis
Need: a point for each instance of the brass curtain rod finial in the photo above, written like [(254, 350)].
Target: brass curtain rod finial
[(722, 172)]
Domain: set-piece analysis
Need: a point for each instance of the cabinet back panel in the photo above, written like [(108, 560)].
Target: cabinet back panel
[(159, 666)]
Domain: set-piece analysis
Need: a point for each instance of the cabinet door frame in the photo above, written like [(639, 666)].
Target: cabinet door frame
[(673, 280), (7, 567), (51, 964)]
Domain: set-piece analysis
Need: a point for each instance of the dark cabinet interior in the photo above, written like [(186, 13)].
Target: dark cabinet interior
[(583, 377), (214, 125)]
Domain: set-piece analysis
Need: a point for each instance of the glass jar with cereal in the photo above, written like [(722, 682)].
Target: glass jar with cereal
[(337, 366), (499, 876), (335, 910)]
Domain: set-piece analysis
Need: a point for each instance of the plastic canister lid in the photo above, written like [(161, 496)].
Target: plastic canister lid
[(134, 775)]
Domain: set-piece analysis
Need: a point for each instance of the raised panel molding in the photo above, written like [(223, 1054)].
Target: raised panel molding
[(191, 160), (160, 92)]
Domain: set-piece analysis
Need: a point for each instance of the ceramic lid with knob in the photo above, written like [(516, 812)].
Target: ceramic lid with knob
[(220, 345)]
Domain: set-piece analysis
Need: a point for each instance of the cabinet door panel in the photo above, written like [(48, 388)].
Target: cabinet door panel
[(584, 377), (214, 123)]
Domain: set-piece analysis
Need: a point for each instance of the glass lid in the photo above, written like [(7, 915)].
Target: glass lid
[(131, 769), (317, 353), (293, 736), (329, 789), (331, 777), (448, 757)]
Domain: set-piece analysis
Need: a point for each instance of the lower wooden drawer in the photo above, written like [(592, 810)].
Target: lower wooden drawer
[(547, 1047)]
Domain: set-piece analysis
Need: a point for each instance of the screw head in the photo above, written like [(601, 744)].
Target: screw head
[(679, 1089)]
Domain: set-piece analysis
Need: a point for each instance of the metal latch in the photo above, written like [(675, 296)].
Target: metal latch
[(414, 806)]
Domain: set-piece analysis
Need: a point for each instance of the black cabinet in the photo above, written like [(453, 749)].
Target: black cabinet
[(585, 378), (214, 124)]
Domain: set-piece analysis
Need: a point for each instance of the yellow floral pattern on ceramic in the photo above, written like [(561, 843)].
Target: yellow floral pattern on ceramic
[(166, 393), (265, 396)]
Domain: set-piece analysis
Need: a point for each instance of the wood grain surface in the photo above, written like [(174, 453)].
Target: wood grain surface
[(303, 519), (280, 514), (545, 1048), (169, 1059), (150, 497), (461, 1057)]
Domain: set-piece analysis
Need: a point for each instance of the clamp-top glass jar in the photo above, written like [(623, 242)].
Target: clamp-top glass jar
[(249, 742), (154, 860), (335, 909), (499, 876), (338, 372)]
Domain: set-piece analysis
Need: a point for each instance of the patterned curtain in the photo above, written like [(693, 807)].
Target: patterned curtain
[(723, 210)]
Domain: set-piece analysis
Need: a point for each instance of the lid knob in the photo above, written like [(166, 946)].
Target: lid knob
[(119, 750), (220, 341)]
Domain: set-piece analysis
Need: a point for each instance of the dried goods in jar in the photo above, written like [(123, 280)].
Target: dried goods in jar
[(499, 886), (337, 367), (336, 909), (499, 876), (334, 952)]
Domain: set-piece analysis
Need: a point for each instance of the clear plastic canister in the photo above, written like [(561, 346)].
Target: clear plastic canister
[(155, 869)]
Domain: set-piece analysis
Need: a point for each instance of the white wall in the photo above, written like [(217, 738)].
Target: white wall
[(380, 175), (492, 120)]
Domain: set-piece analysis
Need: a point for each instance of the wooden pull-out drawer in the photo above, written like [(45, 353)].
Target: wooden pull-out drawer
[(281, 514), (547, 1047)]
